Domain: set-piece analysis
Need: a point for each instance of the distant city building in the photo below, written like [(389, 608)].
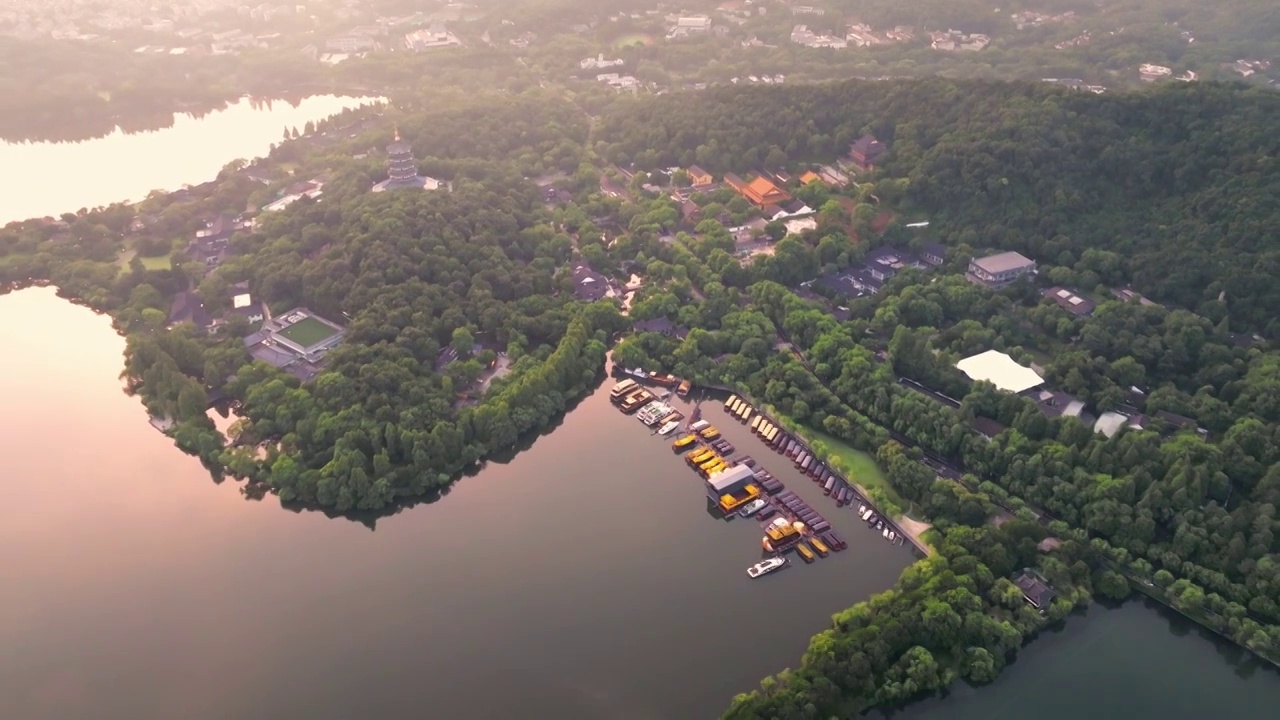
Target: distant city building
[(956, 40), (1150, 73), (598, 62), (350, 44), (429, 38), (802, 35), (688, 26), (1077, 84)]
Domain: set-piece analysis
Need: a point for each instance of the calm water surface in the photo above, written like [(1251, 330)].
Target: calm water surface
[(48, 178), (584, 579), (1140, 661)]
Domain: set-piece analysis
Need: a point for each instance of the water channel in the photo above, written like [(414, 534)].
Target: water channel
[(582, 579), (50, 178)]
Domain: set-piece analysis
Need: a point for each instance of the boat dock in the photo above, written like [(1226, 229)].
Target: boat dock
[(737, 482)]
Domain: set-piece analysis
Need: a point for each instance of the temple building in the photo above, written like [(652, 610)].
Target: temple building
[(866, 153), (759, 192), (402, 169)]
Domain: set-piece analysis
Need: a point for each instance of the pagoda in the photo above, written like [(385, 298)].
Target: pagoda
[(402, 169)]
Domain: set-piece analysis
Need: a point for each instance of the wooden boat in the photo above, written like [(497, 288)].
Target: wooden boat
[(622, 389), (820, 546), (684, 442)]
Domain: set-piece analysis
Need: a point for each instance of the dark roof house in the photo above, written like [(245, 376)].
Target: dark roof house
[(1070, 301), (662, 326), (1034, 589), (690, 212), (933, 253), (1055, 403), (986, 427), (244, 304), (866, 152), (588, 284), (186, 307), (1179, 422)]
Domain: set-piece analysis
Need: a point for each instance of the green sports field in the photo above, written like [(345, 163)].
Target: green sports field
[(308, 332)]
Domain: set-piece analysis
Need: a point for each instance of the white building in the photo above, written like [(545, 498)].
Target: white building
[(1151, 73), (694, 23), (429, 38), (598, 62), (802, 35)]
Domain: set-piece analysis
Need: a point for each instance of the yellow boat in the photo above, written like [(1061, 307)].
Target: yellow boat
[(713, 460), (805, 553), (820, 546), (684, 442), (697, 457), (718, 467), (729, 503), (710, 433)]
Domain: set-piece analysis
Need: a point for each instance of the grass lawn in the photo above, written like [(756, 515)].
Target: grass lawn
[(160, 262), (860, 466), (633, 39), (308, 332)]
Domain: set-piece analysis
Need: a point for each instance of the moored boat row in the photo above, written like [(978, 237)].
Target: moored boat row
[(738, 486)]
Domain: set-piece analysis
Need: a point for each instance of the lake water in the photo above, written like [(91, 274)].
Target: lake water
[(1140, 661), (50, 178), (583, 579)]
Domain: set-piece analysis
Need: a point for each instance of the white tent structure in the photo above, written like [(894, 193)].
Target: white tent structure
[(1000, 370)]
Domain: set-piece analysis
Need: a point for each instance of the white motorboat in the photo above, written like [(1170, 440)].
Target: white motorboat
[(668, 428), (753, 507), (764, 567)]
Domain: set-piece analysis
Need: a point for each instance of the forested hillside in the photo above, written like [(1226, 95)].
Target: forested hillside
[(1181, 181)]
